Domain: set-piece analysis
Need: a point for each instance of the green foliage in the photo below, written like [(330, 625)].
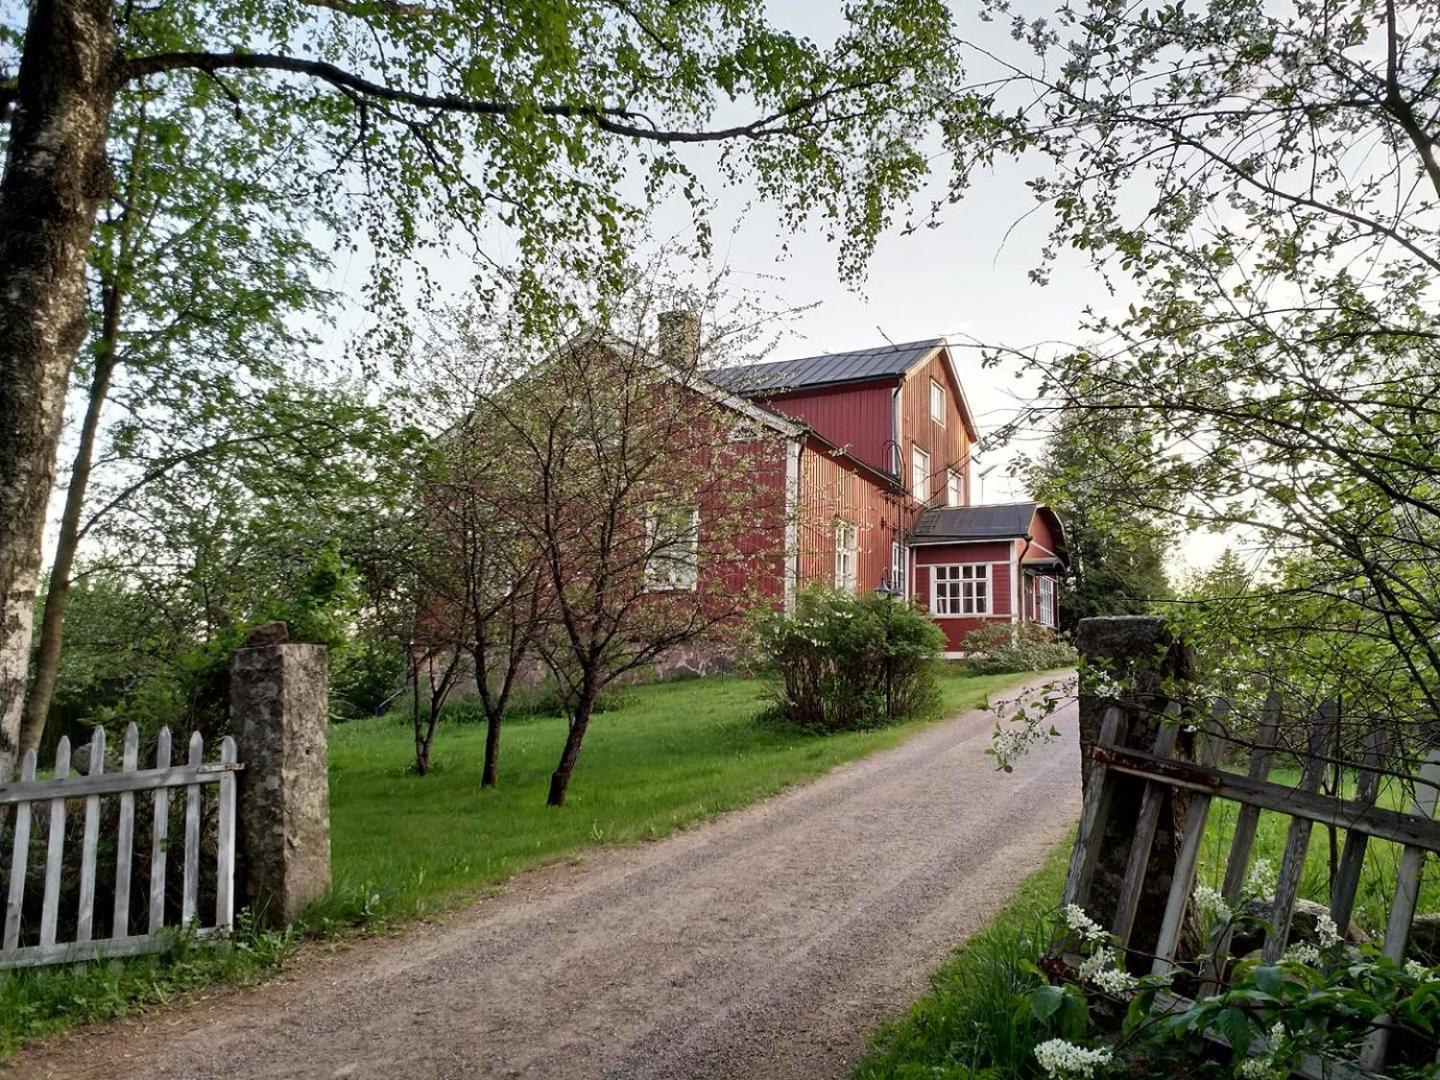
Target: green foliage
[(980, 1018), (1275, 372), (840, 662), (553, 126), (1117, 553), (1000, 647)]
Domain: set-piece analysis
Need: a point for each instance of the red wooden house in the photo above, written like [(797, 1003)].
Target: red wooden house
[(877, 446)]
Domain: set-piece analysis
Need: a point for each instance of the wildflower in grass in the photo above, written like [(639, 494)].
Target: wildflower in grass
[(1261, 880), (1081, 925), (1061, 1059), (1210, 903), (1419, 971), (1305, 953), (1326, 931)]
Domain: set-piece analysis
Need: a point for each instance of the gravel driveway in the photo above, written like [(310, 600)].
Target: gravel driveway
[(765, 944)]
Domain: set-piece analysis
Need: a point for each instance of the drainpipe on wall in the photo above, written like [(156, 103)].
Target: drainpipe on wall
[(1017, 593), (794, 448)]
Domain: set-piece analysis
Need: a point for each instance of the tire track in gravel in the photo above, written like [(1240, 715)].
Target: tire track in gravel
[(765, 944)]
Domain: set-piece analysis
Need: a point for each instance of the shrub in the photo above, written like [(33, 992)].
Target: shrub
[(997, 648), (840, 662)]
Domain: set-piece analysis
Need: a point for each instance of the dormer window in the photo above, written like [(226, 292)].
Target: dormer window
[(937, 403)]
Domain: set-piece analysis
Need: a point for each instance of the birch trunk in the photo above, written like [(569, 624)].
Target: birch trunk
[(54, 181)]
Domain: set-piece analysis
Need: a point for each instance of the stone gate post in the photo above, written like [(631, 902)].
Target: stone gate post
[(279, 709), (1143, 654)]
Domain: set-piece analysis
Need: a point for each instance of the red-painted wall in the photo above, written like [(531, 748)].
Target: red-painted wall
[(1043, 542), (947, 444), (997, 554), (743, 522), (857, 417), (833, 488)]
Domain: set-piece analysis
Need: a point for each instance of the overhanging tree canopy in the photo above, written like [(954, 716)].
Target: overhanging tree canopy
[(416, 119)]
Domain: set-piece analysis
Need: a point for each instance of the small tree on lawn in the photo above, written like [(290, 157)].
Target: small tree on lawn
[(491, 594), (654, 507)]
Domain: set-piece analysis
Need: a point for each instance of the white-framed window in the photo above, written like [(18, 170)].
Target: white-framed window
[(897, 569), (963, 589), (847, 545), (919, 473), (954, 489), (1046, 608), (937, 403), (672, 548)]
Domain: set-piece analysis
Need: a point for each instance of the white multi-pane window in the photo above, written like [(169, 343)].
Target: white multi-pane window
[(954, 489), (937, 403), (919, 473), (960, 590), (672, 548), (847, 543), (1047, 612), (897, 569)]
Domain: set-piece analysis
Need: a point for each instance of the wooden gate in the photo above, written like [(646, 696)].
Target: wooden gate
[(1417, 831), (64, 936)]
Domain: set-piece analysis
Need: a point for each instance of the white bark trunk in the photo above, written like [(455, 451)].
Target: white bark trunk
[(54, 180)]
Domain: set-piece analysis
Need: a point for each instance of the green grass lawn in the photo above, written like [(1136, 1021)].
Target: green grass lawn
[(405, 846), (673, 754)]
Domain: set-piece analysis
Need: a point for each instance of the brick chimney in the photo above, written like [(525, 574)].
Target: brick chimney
[(679, 343)]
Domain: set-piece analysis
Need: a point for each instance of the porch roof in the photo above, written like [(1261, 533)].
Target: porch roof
[(999, 521)]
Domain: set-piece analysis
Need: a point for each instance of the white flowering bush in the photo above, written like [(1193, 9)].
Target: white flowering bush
[(1318, 999), (1061, 1059), (996, 648)]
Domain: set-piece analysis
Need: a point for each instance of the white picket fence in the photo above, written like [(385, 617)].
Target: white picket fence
[(20, 947)]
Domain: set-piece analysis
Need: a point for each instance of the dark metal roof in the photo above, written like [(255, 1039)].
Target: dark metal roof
[(1003, 521), (831, 368)]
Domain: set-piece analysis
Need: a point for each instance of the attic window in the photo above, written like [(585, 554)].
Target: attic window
[(954, 489), (937, 403), (919, 473)]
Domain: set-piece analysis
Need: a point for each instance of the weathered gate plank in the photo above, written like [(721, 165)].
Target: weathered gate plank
[(19, 861), (1189, 857), (55, 852), (86, 925), (125, 839), (1297, 843), (159, 835)]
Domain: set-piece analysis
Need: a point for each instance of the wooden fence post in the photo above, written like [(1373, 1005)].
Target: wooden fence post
[(279, 708), (1140, 653)]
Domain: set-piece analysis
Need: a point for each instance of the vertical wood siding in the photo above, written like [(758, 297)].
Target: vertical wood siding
[(947, 445), (832, 488), (857, 417)]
